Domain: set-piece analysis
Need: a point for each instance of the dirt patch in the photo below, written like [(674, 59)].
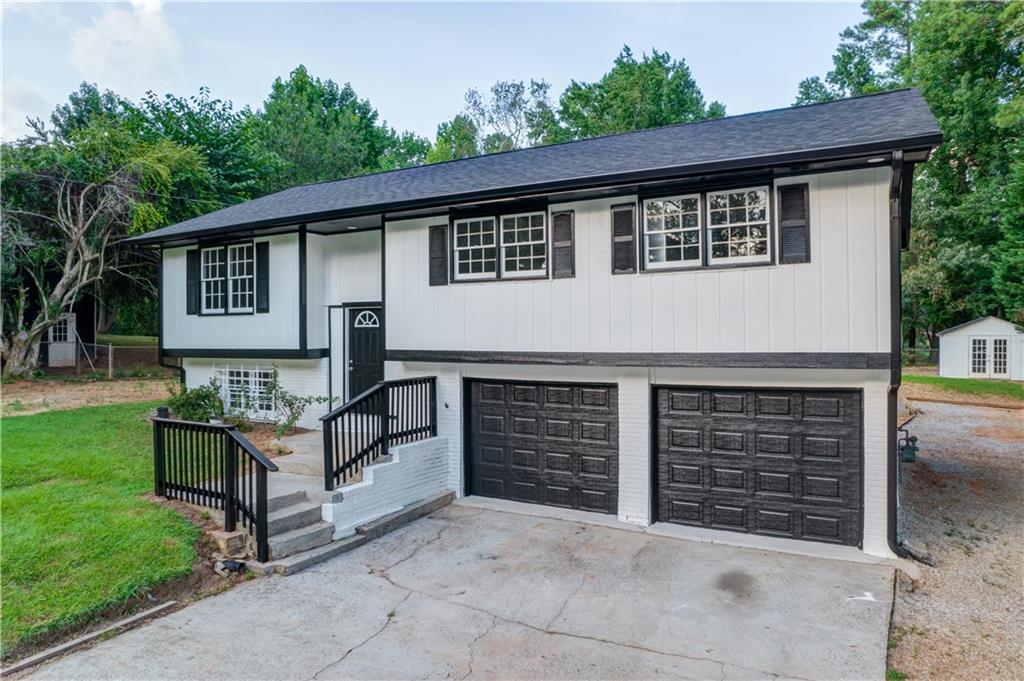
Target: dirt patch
[(910, 391), (964, 619), (32, 397), (263, 436), (200, 583)]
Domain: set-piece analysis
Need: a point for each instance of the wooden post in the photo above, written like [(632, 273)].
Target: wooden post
[(262, 543), (230, 482), (328, 427), (110, 360), (385, 425), (159, 465)]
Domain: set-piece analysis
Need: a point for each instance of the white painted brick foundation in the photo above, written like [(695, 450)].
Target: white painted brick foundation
[(635, 456), (417, 470), (307, 377)]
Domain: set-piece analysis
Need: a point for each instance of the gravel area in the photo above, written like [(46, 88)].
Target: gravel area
[(964, 500), (31, 397)]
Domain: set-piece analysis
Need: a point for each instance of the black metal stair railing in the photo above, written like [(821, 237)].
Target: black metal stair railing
[(217, 467), (360, 432)]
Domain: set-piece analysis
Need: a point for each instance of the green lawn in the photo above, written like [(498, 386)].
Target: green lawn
[(977, 387), (77, 536), (104, 338)]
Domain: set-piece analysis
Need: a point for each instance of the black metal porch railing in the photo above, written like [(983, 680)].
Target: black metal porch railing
[(217, 467), (360, 431)]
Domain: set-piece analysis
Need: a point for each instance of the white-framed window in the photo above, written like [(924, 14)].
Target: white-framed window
[(241, 277), (60, 332), (246, 389), (212, 269), (1000, 356), (475, 248), (523, 245), (738, 226), (672, 229), (979, 356)]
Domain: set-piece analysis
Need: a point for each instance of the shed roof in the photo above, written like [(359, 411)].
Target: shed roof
[(1010, 326), (899, 119)]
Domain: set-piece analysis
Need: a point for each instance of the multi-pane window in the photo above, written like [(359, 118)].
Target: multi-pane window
[(738, 225), (999, 356), (523, 245), (241, 278), (476, 253), (247, 390), (212, 274), (672, 232), (60, 332), (979, 355)]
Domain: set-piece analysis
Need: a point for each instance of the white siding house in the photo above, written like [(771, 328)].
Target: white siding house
[(694, 327), (987, 347)]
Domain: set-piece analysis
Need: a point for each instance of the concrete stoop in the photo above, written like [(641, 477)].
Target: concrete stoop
[(293, 559)]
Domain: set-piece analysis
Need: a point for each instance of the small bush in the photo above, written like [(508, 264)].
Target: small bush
[(197, 404)]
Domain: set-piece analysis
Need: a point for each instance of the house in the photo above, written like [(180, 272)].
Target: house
[(695, 326), (987, 347)]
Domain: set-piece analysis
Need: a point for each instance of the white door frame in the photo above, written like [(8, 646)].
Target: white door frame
[(989, 345), (1005, 351), (61, 337)]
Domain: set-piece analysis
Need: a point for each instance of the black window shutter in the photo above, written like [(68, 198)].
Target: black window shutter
[(563, 250), (192, 282), (623, 239), (794, 224), (439, 255), (263, 276)]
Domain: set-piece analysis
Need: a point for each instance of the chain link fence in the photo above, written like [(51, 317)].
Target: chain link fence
[(920, 357), (100, 359)]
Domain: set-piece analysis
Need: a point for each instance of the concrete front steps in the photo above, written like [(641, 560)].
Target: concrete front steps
[(287, 557), (295, 524)]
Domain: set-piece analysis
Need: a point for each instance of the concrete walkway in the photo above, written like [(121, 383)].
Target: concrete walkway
[(468, 591)]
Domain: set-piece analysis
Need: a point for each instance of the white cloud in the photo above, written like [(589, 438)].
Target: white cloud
[(129, 49), (21, 100)]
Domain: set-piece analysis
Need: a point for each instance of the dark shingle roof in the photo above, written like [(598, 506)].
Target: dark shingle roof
[(864, 124)]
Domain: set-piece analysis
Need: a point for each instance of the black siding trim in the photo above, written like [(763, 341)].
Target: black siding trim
[(896, 193), (238, 353), (303, 328), (745, 360)]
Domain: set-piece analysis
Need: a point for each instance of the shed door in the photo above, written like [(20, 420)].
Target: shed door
[(545, 443), (775, 462), (979, 357), (61, 345)]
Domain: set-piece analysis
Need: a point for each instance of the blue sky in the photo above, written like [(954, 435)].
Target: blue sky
[(413, 61)]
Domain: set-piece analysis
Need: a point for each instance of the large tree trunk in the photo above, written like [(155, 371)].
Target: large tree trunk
[(23, 355)]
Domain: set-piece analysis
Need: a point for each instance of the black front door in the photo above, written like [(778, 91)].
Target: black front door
[(365, 349)]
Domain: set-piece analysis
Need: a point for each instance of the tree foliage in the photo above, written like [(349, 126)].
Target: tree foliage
[(966, 58)]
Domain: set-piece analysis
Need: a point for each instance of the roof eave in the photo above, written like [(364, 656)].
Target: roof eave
[(928, 141)]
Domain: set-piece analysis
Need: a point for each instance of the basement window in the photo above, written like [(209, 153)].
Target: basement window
[(246, 390)]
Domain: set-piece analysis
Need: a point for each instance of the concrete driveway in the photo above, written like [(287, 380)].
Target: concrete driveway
[(473, 592)]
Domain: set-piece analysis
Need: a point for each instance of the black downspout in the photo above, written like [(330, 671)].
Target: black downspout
[(160, 322), (303, 329), (898, 212)]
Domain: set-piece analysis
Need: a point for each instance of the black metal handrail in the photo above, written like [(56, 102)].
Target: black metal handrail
[(360, 432), (217, 467)]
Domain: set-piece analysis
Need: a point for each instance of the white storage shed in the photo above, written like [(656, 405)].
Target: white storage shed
[(987, 347)]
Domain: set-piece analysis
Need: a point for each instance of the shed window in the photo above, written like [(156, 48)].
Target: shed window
[(523, 245), (241, 277), (738, 226), (476, 254), (213, 280), (672, 232)]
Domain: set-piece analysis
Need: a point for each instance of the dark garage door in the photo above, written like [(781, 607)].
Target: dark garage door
[(775, 462), (545, 443)]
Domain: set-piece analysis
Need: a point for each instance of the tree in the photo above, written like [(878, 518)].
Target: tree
[(511, 116), (654, 91), (66, 204), (457, 138), (1008, 268), (403, 150), (319, 131)]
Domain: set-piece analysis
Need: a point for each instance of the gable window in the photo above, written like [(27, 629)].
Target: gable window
[(476, 253), (246, 390), (523, 245), (672, 232), (213, 279), (241, 276), (738, 226)]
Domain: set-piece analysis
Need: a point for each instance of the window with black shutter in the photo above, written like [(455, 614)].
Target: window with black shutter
[(624, 238), (794, 224), (438, 265), (263, 276), (563, 249), (192, 282)]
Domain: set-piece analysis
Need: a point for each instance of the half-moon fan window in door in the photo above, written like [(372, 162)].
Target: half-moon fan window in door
[(366, 320)]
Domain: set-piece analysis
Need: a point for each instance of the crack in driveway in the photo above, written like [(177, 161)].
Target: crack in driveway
[(390, 618), (472, 648)]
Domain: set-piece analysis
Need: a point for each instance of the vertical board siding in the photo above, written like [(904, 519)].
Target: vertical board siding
[(838, 302)]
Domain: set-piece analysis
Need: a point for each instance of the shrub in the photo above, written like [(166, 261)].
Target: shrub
[(197, 404), (289, 407)]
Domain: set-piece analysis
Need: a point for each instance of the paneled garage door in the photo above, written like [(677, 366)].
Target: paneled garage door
[(545, 443), (776, 462)]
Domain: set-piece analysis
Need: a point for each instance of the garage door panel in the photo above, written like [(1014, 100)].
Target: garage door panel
[(786, 463), (558, 443)]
